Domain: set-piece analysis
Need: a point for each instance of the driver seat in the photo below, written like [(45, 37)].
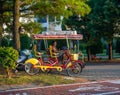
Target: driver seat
[(52, 54)]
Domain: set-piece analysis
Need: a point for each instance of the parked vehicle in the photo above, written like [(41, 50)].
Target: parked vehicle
[(24, 55), (71, 62)]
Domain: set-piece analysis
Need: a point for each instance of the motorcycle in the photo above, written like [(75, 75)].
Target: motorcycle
[(24, 55)]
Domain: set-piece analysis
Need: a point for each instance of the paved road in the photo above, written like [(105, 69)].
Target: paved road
[(94, 88), (101, 71)]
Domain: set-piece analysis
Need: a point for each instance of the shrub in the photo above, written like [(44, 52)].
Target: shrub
[(8, 58)]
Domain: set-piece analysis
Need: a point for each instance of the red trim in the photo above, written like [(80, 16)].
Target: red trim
[(42, 36)]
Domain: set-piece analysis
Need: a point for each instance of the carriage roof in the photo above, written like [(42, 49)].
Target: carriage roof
[(52, 37)]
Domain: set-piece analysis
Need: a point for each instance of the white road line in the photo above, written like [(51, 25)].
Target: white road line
[(19, 94), (25, 93), (108, 93), (115, 81), (94, 87)]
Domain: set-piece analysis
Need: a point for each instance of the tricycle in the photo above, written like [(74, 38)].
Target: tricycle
[(70, 62)]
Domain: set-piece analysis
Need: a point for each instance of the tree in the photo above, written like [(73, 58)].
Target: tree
[(90, 23), (111, 15), (16, 14), (102, 21), (6, 9), (1, 22), (65, 8), (104, 15)]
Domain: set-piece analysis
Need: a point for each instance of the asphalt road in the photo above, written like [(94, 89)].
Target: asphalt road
[(103, 71)]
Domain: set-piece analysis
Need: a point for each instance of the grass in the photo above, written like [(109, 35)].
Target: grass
[(42, 79)]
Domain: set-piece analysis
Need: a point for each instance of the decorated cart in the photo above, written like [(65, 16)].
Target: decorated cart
[(71, 63)]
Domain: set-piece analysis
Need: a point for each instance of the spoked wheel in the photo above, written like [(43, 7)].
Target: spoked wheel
[(74, 70), (29, 69)]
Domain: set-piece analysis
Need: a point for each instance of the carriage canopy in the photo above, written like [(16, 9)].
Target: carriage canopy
[(71, 37)]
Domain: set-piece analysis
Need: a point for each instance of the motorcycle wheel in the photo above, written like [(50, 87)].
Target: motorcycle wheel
[(29, 69)]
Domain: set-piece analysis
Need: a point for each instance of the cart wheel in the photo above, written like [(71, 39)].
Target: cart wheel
[(74, 70), (29, 69)]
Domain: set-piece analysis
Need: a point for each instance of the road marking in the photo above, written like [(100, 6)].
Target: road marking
[(115, 81), (19, 94), (108, 93), (94, 87), (25, 93)]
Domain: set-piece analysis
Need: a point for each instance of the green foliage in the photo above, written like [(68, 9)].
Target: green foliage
[(4, 42), (104, 16), (96, 48), (102, 22), (8, 57), (40, 80), (26, 41), (118, 46), (32, 27), (104, 19), (65, 8)]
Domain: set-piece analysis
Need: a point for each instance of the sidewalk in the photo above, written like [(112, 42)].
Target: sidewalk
[(108, 87)]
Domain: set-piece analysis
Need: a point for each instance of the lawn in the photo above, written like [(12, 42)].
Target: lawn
[(41, 79)]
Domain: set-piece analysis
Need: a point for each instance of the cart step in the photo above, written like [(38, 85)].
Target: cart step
[(44, 68)]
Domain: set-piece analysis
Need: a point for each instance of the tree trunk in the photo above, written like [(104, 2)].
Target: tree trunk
[(8, 73), (16, 14), (0, 31), (88, 53), (110, 56), (1, 22)]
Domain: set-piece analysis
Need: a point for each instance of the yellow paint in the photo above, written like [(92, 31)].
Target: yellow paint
[(69, 64), (32, 61), (82, 57), (52, 54), (74, 56), (59, 69), (44, 68)]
